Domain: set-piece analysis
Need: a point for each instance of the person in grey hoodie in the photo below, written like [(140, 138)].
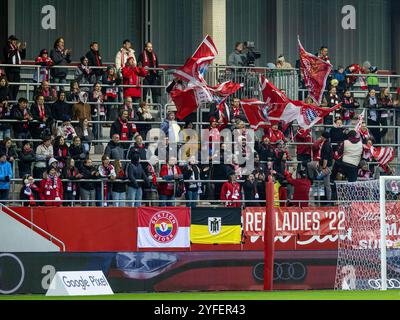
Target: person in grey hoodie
[(134, 172)]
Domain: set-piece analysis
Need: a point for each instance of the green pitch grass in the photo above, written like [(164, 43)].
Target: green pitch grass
[(279, 295)]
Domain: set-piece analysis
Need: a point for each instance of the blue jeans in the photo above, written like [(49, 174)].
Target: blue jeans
[(120, 197), (192, 195), (166, 204), (135, 194), (4, 133)]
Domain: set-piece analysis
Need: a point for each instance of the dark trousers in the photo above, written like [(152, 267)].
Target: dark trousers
[(14, 88), (350, 171), (4, 196)]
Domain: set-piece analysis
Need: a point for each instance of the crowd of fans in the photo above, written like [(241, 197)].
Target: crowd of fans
[(59, 170)]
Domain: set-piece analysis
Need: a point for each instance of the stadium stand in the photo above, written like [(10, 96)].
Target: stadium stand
[(81, 133)]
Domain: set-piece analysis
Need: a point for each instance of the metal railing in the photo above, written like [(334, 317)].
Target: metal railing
[(33, 226)]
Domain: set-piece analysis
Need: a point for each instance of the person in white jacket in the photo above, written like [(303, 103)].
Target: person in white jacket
[(124, 54)]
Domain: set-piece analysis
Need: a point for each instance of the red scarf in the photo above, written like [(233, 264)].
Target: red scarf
[(42, 112), (52, 184), (153, 174), (72, 187), (29, 192), (146, 61), (124, 130)]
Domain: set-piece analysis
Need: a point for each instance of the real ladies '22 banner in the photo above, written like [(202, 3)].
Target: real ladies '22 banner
[(296, 221)]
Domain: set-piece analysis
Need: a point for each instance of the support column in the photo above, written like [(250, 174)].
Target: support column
[(214, 24), (395, 30)]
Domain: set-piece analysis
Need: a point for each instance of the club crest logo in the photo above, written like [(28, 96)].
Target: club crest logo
[(163, 227), (309, 115), (214, 225)]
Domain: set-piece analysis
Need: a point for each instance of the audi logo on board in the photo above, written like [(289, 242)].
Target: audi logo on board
[(283, 271), (377, 284)]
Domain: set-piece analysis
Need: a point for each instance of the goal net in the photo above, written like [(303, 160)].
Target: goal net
[(372, 210)]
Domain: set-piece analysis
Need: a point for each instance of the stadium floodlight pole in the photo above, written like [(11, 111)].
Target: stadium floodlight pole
[(382, 211), (269, 236)]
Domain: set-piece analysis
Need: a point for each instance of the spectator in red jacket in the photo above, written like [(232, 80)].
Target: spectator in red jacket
[(274, 135), (130, 76), (303, 148), (302, 186), (51, 189), (169, 172), (45, 62), (230, 192)]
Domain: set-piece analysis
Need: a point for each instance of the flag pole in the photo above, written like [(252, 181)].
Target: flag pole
[(269, 236)]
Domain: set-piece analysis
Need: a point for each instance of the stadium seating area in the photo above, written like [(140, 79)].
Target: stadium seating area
[(82, 137)]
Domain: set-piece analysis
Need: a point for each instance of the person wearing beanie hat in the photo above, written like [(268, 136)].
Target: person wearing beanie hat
[(130, 77), (45, 62)]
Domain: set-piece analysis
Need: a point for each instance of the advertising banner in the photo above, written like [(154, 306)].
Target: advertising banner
[(163, 227)]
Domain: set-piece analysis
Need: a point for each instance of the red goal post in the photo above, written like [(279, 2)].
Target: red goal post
[(269, 236)]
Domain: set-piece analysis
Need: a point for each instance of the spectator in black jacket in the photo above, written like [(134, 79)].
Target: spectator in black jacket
[(5, 108), (7, 148), (25, 159), (371, 103), (84, 75), (61, 151), (84, 132), (148, 59), (41, 113), (88, 189), (77, 151), (135, 189), (95, 60), (122, 128), (114, 149), (71, 190), (322, 168), (60, 108), (110, 81), (14, 52), (20, 112), (60, 57), (137, 148), (191, 175), (337, 133), (250, 191)]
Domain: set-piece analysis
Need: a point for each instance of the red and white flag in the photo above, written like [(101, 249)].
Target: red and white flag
[(187, 101), (315, 72), (256, 113), (196, 66), (279, 108), (383, 155), (163, 228)]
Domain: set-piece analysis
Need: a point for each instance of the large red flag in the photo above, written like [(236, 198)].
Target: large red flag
[(315, 72), (196, 66), (279, 108), (187, 101), (256, 113)]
